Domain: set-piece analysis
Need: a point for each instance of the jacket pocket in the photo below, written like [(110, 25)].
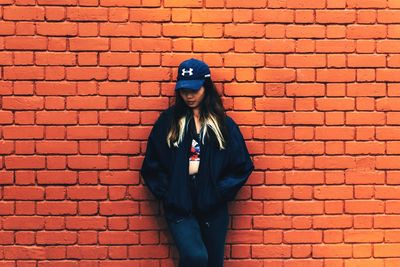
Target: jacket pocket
[(172, 216), (210, 199)]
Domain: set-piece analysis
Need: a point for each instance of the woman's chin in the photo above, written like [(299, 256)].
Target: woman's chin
[(192, 105)]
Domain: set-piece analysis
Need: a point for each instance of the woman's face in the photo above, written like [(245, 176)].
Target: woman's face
[(192, 98)]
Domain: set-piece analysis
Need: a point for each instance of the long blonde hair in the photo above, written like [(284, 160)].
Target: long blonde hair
[(212, 117)]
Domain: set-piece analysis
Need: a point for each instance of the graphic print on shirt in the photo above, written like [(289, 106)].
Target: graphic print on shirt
[(195, 151)]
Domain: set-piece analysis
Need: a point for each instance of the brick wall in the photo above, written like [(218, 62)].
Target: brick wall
[(312, 84)]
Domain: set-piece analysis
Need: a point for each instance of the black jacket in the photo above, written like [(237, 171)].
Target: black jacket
[(220, 176)]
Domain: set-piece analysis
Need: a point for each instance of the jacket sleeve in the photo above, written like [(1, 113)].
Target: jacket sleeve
[(152, 171), (238, 168)]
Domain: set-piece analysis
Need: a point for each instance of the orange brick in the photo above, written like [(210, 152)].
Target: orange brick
[(246, 4), (267, 162), (86, 102), (23, 223), (275, 31), (304, 118), (245, 236), (244, 89), (366, 118), (304, 16), (148, 103), (388, 16), (24, 162), (336, 75), (330, 104), (23, 193), (149, 14), (241, 251), (248, 207), (243, 60), (333, 162), (303, 207), (57, 29), (366, 32), (274, 45), (336, 16), (118, 208), (332, 251), (300, 89), (301, 177), (118, 59), (386, 250), (242, 103), (275, 75), (363, 236), (305, 31), (151, 44), (23, 13), (273, 15), (305, 148), (304, 262), (305, 61), (182, 30), (212, 45), (212, 15), (247, 118), (307, 5), (302, 236), (23, 73), (87, 162), (121, 29), (367, 4), (177, 3), (333, 192), (271, 251), (364, 262), (335, 46), (364, 206), (244, 30), (56, 208), (274, 104), (272, 222), (366, 89), (86, 14), (365, 148), (283, 133), (147, 74), (366, 61), (245, 74), (23, 103), (272, 193), (89, 44)]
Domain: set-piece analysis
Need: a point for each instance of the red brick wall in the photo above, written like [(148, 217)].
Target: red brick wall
[(313, 85)]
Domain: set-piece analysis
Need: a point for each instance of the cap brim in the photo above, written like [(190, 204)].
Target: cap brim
[(189, 84)]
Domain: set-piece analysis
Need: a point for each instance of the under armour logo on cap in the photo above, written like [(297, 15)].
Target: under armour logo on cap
[(191, 74), (190, 71)]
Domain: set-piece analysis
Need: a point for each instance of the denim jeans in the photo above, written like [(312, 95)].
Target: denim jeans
[(200, 239)]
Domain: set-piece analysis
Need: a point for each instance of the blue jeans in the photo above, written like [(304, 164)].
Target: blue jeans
[(200, 239)]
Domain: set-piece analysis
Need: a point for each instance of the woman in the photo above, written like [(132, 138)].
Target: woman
[(196, 161)]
